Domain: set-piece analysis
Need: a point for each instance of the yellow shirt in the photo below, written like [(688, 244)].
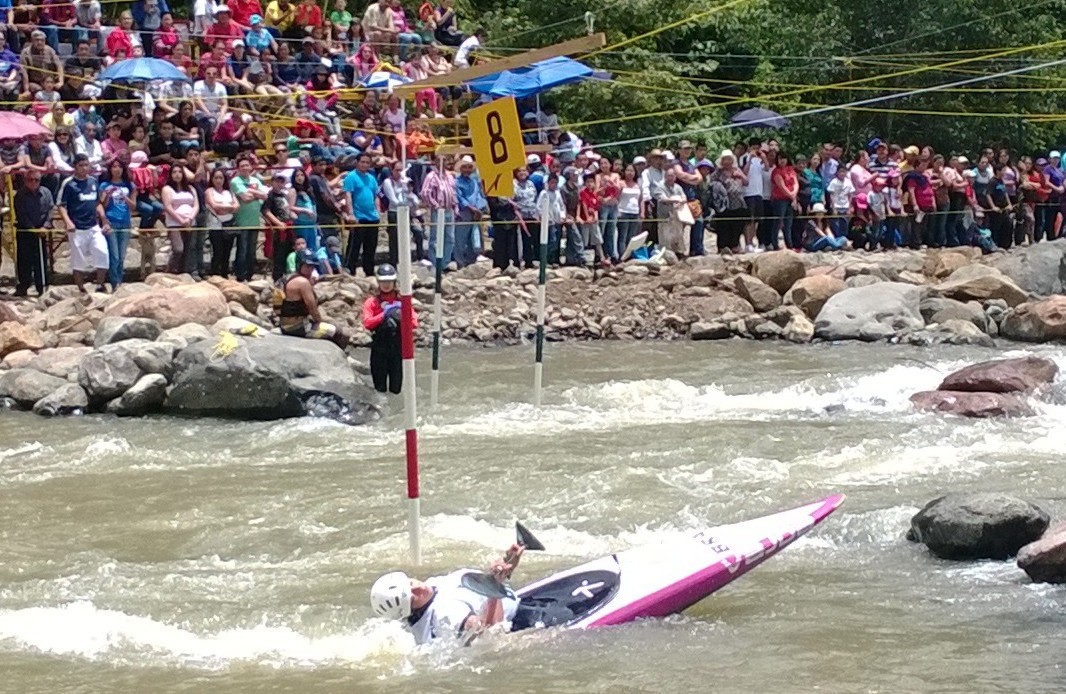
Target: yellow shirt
[(278, 18), (49, 122)]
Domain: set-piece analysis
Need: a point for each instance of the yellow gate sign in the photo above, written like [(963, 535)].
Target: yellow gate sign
[(496, 136)]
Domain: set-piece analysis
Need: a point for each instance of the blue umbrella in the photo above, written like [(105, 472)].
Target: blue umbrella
[(532, 79), (759, 118), (142, 70)]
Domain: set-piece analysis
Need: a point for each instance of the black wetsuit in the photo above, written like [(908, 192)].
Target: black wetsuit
[(386, 357)]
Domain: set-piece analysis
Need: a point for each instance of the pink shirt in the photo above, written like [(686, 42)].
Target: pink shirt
[(860, 178), (399, 20), (112, 149)]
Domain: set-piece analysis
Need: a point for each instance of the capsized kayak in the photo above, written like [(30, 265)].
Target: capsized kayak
[(658, 580)]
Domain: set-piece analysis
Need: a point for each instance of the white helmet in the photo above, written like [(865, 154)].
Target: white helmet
[(390, 596)]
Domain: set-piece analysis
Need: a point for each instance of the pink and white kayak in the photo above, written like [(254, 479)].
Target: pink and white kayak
[(663, 579)]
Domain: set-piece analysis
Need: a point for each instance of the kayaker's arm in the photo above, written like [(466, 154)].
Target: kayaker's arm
[(492, 614)]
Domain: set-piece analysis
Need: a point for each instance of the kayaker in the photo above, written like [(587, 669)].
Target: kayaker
[(441, 606)]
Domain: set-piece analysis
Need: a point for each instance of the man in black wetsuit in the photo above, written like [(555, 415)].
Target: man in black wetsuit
[(299, 316)]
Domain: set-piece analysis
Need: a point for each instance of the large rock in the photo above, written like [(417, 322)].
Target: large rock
[(68, 399), (938, 309), (146, 395), (59, 361), (108, 372), (760, 295), (15, 336), (811, 293), (874, 312), (977, 526), (74, 314), (235, 291), (8, 313), (184, 335), (1045, 559), (799, 329), (711, 306), (713, 330), (270, 377), (116, 329), (1037, 321), (27, 386), (981, 283), (968, 404), (1019, 375), (173, 306), (941, 264), (779, 269), (1039, 269)]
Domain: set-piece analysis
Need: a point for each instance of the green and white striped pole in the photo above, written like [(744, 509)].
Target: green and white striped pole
[(434, 374), (538, 366)]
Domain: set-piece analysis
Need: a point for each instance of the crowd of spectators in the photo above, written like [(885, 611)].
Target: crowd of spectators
[(187, 156)]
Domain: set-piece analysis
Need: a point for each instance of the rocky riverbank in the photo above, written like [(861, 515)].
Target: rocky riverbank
[(170, 343)]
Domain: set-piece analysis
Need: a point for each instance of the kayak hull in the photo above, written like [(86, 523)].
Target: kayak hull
[(663, 579)]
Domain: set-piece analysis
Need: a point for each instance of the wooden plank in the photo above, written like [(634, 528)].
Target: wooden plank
[(511, 62), (459, 150)]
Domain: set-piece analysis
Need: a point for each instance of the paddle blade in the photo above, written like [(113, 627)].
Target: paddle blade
[(484, 584), (526, 538)]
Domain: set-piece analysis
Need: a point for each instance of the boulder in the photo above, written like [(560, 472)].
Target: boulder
[(941, 264), (1039, 269), (232, 324), (146, 395), (270, 377), (173, 306), (1018, 375), (779, 269), (811, 293), (111, 370), (937, 309), (968, 404), (1036, 321), (856, 281), (184, 335), (709, 330), (59, 361), (870, 313), (77, 313), (235, 291), (68, 399), (8, 314), (760, 295), (977, 526), (238, 311), (115, 329), (15, 336), (980, 283), (711, 305), (167, 280), (958, 332), (19, 359), (799, 329), (27, 386), (1045, 559)]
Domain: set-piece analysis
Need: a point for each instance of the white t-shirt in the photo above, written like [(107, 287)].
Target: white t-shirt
[(756, 169), (841, 193), (450, 607), (212, 98), (462, 56), (629, 199)]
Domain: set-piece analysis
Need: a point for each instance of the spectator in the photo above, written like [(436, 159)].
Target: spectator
[(277, 214), (784, 196), (123, 38), (250, 192), (630, 208), (221, 206), (472, 206), (341, 21), (165, 38), (10, 75), (672, 228), (361, 188), (210, 101), (180, 208), (36, 156), (87, 144), (57, 117), (79, 198), (439, 194), (467, 50), (446, 24), (730, 223), (117, 196), (1055, 184), (309, 15), (379, 27), (302, 205), (394, 190), (38, 61), (551, 199), (817, 236), (203, 16), (588, 209), (241, 11), (754, 167), (58, 19), (257, 38), (33, 205), (280, 15), (525, 202), (224, 29), (842, 192), (409, 42)]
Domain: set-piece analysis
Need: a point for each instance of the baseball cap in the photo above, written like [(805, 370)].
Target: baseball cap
[(963, 159), (237, 42), (684, 144), (639, 160), (533, 159), (529, 116), (467, 159), (255, 20), (333, 242), (221, 8), (1041, 162), (668, 155), (705, 162), (818, 208), (1055, 154), (874, 144)]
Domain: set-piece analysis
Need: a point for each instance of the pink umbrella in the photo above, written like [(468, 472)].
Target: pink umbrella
[(16, 125)]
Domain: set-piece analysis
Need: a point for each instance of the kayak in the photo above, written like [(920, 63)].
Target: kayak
[(663, 579)]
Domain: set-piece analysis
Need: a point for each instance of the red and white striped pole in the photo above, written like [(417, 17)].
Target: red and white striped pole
[(407, 351)]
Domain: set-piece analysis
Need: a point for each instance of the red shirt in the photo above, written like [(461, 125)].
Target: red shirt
[(787, 175), (209, 60), (119, 40), (1042, 192), (229, 33), (241, 11), (374, 314), (310, 16), (590, 203)]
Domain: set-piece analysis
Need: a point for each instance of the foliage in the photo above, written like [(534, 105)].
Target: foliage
[(700, 72)]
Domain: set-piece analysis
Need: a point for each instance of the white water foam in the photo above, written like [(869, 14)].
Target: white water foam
[(81, 629)]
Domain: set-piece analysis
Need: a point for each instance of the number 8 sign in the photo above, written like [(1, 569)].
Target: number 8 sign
[(496, 136)]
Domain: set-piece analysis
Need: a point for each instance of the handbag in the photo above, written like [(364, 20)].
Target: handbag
[(696, 208)]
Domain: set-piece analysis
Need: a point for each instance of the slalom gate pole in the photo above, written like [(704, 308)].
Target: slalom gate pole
[(542, 278), (407, 351), (434, 374)]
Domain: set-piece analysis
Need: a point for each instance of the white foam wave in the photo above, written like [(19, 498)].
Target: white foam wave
[(81, 629)]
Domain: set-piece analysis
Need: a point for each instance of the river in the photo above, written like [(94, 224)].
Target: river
[(196, 555)]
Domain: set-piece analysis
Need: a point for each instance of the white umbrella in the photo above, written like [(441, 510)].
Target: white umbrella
[(383, 80)]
